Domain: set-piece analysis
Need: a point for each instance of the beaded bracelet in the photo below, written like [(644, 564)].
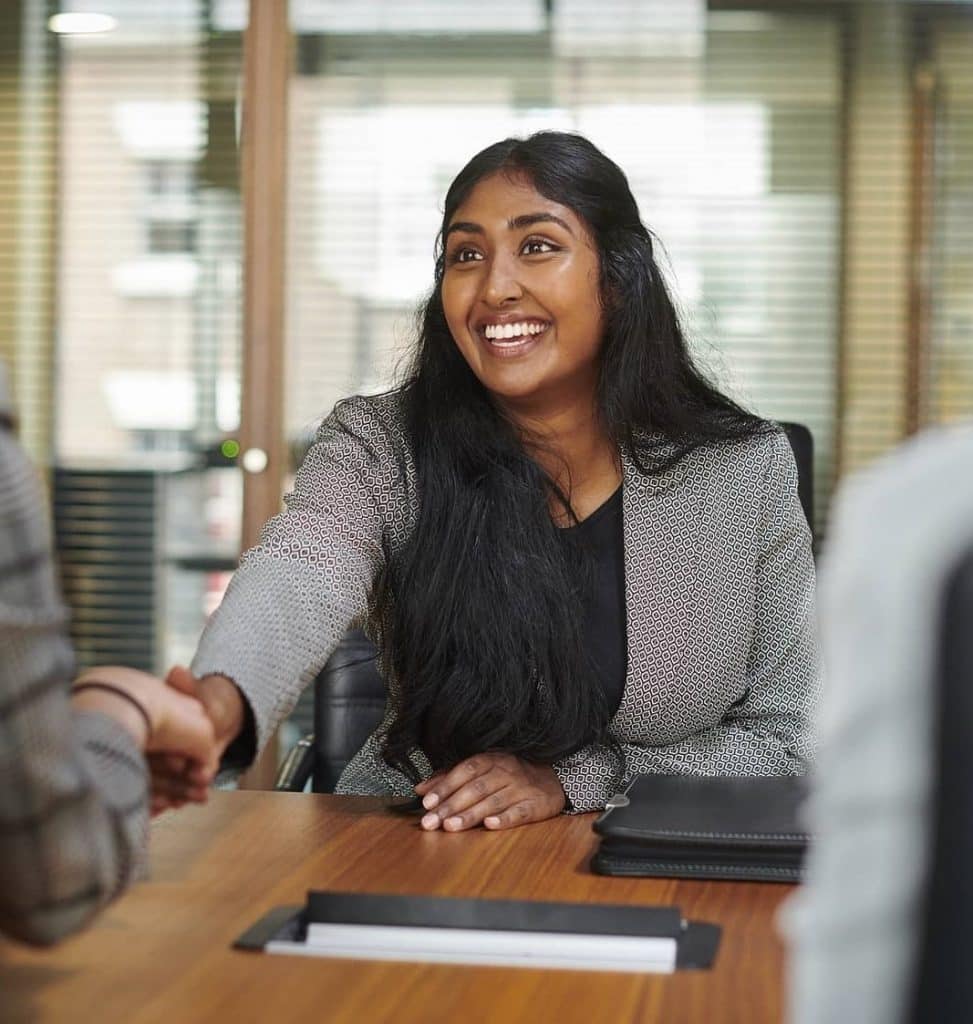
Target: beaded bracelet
[(118, 691)]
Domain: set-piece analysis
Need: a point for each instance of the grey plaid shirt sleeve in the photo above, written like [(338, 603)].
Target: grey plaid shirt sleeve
[(74, 799)]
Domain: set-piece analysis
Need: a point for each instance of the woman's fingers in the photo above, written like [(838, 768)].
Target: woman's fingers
[(519, 813), (194, 772), (174, 764), (201, 774), (176, 779), (178, 789), (493, 805), (492, 789), (457, 807), (423, 787), (438, 789)]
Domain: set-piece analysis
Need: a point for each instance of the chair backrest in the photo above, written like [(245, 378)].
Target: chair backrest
[(349, 699), (802, 444), (349, 693), (943, 989)]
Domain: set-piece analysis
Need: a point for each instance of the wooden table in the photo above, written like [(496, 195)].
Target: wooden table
[(163, 952)]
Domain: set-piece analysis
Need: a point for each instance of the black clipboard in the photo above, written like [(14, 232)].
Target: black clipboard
[(697, 942)]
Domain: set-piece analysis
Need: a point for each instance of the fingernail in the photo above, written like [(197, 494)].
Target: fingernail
[(430, 821), (429, 801), (452, 823), (491, 822)]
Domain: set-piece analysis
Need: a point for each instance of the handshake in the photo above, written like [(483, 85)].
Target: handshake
[(182, 725)]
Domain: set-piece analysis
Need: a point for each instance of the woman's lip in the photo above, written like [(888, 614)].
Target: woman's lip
[(507, 348)]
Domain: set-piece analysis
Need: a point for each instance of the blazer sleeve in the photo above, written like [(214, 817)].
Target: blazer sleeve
[(310, 576), (74, 799), (766, 732)]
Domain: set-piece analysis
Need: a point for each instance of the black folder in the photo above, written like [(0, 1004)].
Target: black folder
[(683, 826)]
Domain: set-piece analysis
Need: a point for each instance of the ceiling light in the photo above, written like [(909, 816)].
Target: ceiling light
[(80, 23)]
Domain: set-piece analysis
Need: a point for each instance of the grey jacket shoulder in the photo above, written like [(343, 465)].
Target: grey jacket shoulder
[(377, 420), (368, 431), (755, 473)]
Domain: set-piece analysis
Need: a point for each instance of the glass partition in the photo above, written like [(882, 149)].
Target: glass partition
[(148, 323)]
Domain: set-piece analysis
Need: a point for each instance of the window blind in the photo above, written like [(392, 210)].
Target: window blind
[(28, 209), (950, 371), (136, 321)]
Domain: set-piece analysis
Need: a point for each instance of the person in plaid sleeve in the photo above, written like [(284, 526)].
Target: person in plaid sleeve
[(75, 799)]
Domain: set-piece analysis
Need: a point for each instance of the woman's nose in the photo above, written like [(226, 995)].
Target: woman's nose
[(501, 285)]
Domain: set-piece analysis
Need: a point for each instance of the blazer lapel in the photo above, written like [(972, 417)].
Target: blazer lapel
[(660, 526)]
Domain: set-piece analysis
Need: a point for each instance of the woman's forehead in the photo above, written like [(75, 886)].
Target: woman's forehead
[(502, 197)]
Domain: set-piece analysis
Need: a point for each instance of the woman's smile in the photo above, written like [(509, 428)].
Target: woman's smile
[(509, 338)]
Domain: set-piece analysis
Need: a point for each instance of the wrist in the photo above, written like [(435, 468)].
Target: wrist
[(116, 706), (556, 787), (224, 705)]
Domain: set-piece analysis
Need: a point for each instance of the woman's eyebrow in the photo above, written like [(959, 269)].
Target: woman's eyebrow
[(525, 220), (466, 226)]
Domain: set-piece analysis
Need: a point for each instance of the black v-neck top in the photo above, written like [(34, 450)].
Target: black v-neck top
[(606, 634)]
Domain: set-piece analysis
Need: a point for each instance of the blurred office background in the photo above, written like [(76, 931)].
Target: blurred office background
[(808, 167)]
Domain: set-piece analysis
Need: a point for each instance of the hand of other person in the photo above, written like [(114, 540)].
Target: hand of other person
[(496, 790), (173, 776), (177, 725)]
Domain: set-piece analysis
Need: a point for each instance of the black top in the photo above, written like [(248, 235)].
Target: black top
[(606, 634)]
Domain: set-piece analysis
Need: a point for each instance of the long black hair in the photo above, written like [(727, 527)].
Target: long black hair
[(482, 609)]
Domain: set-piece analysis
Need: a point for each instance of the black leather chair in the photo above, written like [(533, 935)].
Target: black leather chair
[(349, 693), (349, 700), (943, 984), (802, 444)]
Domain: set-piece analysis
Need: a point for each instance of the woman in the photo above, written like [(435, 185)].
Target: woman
[(578, 559)]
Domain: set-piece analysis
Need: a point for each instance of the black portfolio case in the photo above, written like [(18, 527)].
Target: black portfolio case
[(683, 826)]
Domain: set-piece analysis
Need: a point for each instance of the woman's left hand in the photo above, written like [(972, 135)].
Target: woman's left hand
[(496, 790)]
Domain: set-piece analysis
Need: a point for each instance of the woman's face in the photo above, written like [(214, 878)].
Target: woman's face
[(521, 295)]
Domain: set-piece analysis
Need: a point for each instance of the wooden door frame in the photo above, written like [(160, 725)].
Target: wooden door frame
[(266, 79)]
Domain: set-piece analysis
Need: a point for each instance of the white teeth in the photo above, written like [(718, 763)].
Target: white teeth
[(496, 332)]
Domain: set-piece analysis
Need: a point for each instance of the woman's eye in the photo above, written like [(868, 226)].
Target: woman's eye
[(463, 254), (537, 246)]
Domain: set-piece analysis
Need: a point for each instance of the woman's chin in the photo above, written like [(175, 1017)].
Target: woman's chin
[(513, 392)]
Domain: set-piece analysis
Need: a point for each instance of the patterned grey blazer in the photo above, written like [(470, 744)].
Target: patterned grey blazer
[(719, 580)]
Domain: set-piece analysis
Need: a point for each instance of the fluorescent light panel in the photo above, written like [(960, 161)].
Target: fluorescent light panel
[(81, 23)]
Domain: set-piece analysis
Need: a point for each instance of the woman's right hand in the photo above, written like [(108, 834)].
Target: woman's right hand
[(175, 780)]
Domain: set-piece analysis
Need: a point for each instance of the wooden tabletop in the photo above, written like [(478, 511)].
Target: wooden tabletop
[(163, 952)]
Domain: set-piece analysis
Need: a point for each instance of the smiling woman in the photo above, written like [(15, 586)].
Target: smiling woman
[(578, 558), (521, 297)]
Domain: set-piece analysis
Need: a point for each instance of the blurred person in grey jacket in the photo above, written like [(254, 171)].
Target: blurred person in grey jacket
[(897, 532), (75, 799)]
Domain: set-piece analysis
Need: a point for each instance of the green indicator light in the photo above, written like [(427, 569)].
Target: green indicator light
[(230, 449)]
